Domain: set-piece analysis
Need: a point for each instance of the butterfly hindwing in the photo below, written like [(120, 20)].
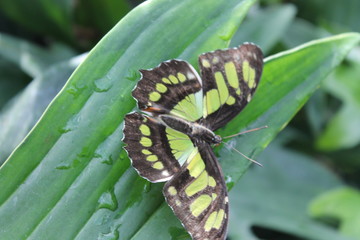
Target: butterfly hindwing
[(230, 78), (173, 87), (198, 195)]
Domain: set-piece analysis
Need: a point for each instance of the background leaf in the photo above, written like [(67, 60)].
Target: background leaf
[(340, 15), (284, 180), (341, 204), (46, 16), (342, 131), (265, 27), (32, 59), (12, 81)]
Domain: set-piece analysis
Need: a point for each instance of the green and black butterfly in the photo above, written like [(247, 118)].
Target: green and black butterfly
[(172, 141)]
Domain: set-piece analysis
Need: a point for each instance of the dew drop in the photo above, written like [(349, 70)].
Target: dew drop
[(76, 89), (108, 161), (133, 75), (108, 200), (229, 182), (103, 84), (147, 187), (63, 167), (64, 130), (112, 235)]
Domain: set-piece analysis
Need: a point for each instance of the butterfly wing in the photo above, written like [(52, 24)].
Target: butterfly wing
[(156, 151), (230, 78), (174, 87), (198, 196)]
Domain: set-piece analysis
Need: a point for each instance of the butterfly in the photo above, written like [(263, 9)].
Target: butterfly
[(171, 140)]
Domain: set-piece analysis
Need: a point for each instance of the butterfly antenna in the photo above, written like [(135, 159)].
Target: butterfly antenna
[(250, 159), (247, 131)]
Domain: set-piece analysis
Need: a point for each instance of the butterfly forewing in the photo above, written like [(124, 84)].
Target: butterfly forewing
[(198, 196), (230, 78), (173, 87)]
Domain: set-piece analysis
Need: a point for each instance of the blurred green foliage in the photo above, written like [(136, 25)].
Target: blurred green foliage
[(309, 186)]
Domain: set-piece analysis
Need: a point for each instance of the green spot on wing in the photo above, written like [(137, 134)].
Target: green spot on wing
[(231, 74), (222, 88)]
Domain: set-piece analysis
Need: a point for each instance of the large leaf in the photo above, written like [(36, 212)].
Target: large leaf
[(71, 165), (288, 80), (277, 196)]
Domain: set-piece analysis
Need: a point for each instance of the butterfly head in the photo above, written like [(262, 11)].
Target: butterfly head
[(217, 139)]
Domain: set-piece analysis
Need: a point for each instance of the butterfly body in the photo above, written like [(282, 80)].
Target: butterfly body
[(172, 142), (195, 131)]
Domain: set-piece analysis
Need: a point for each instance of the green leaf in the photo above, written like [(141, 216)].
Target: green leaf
[(342, 131), (72, 165), (276, 197), (341, 204), (265, 27)]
